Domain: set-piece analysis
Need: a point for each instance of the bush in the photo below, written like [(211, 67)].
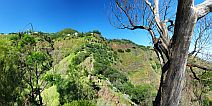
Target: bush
[(115, 76), (207, 102), (72, 88), (143, 47), (137, 93), (51, 96), (66, 31), (52, 78), (120, 51), (128, 50), (140, 93), (80, 57), (97, 32), (154, 66)]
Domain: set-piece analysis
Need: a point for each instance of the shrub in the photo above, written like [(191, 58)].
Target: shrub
[(72, 88), (115, 76), (158, 65), (120, 51), (128, 50), (66, 31), (137, 93), (80, 57), (51, 96), (207, 102), (52, 78), (154, 66), (143, 47), (97, 32)]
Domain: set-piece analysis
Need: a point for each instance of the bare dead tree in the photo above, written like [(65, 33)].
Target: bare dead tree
[(171, 35), (200, 44), (202, 36)]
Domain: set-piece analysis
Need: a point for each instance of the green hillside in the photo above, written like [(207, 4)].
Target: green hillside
[(84, 69)]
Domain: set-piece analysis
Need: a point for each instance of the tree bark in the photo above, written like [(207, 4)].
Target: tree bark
[(174, 80)]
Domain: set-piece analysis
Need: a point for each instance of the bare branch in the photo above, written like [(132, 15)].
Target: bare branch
[(167, 6), (146, 28), (194, 74), (204, 8), (150, 5), (201, 36), (126, 12), (155, 11), (199, 66), (161, 26)]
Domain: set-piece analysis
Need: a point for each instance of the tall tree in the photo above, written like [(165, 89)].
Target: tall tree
[(171, 35), (35, 60)]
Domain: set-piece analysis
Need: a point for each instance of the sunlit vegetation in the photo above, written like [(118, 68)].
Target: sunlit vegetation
[(79, 69)]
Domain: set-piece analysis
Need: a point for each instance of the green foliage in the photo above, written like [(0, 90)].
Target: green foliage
[(207, 79), (80, 103), (54, 35), (80, 57), (143, 47), (137, 93), (128, 50), (148, 47), (207, 102), (103, 56), (71, 87), (115, 76), (154, 67), (25, 60), (120, 51), (73, 90), (66, 31), (53, 79), (23, 40), (9, 74), (51, 96), (96, 32), (122, 41), (33, 63), (36, 57)]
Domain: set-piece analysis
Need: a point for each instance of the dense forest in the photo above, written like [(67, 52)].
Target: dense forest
[(85, 69)]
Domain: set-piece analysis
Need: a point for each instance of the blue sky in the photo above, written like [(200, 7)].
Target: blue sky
[(54, 15)]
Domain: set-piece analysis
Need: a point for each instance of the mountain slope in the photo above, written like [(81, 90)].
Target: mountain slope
[(116, 77), (88, 69)]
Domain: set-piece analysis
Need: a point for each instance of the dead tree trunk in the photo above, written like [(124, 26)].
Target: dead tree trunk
[(185, 22)]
